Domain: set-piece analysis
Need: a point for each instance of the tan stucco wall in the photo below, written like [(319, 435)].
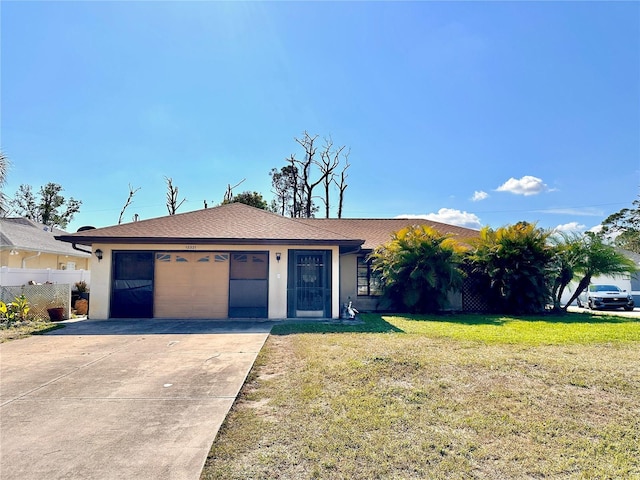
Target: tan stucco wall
[(349, 288), (101, 273), (44, 260), (349, 285)]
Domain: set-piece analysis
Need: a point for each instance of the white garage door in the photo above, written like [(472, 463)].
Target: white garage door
[(191, 285)]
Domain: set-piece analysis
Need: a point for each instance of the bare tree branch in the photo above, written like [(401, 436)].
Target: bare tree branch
[(308, 143), (329, 161), (132, 192), (228, 195), (342, 186), (172, 197), (294, 185)]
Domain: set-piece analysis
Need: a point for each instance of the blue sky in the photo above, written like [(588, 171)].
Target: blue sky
[(533, 108)]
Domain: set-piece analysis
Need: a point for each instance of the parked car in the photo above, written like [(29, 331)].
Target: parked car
[(606, 296)]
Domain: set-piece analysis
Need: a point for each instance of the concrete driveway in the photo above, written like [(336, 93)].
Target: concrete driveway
[(120, 399)]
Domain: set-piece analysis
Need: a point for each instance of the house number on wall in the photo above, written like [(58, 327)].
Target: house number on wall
[(190, 247)]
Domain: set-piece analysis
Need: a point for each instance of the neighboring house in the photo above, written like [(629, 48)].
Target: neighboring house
[(629, 283), (236, 261), (634, 281), (30, 245)]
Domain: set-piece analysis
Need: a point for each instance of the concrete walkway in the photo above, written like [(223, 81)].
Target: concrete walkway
[(120, 399)]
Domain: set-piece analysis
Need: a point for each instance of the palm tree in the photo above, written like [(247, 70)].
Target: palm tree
[(510, 266), (590, 257), (418, 268)]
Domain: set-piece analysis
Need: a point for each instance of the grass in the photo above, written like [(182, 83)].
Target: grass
[(439, 397), (26, 329)]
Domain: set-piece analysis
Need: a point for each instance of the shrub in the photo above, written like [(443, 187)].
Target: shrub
[(16, 310), (510, 267), (418, 268)]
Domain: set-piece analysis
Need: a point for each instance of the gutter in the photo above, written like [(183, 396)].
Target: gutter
[(76, 247), (88, 240)]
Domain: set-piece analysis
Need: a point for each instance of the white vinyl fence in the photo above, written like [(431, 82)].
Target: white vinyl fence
[(22, 276)]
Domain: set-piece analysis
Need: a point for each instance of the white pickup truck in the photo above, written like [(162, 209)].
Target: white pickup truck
[(606, 296)]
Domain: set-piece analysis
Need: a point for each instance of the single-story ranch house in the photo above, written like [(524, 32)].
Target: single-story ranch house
[(236, 261)]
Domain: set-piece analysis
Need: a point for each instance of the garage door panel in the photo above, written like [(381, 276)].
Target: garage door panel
[(191, 285), (248, 284)]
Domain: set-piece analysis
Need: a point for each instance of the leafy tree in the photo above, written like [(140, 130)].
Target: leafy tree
[(418, 268), (51, 208), (510, 266), (590, 256), (253, 199), (288, 191), (626, 224)]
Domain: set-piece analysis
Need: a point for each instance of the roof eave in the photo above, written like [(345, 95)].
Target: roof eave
[(44, 250), (88, 241)]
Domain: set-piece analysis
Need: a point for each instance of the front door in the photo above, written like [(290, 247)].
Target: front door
[(309, 285)]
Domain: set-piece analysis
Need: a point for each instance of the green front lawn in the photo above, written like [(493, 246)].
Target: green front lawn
[(439, 397)]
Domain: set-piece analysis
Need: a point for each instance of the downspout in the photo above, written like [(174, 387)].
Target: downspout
[(24, 260), (76, 247)]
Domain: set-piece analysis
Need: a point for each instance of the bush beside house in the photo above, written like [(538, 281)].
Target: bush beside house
[(515, 269)]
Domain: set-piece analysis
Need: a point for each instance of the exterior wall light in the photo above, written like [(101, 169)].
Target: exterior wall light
[(99, 254), (278, 256)]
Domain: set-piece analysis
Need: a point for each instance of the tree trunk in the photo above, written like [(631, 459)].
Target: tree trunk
[(584, 283)]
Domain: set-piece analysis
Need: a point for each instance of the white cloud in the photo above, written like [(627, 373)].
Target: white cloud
[(451, 217), (526, 186), (477, 196), (570, 227)]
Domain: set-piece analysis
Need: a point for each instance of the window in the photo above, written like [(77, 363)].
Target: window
[(368, 281), (163, 257)]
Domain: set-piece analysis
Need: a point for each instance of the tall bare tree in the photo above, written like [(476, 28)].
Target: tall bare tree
[(228, 195), (295, 184), (342, 185), (329, 161), (305, 171), (4, 171), (132, 192), (172, 197)]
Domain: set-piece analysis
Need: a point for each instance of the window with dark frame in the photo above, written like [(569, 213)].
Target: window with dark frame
[(369, 283)]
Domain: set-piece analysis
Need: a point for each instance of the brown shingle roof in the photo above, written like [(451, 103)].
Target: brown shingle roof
[(233, 223), (376, 231), (237, 223)]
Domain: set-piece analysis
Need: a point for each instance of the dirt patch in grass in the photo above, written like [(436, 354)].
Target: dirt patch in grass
[(398, 405), (26, 329)]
